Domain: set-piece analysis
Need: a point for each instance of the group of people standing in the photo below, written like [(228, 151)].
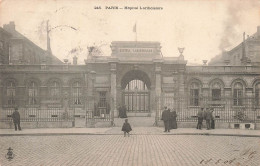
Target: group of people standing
[(206, 114), (169, 118)]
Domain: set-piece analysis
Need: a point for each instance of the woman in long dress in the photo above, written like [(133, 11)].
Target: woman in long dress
[(173, 122)]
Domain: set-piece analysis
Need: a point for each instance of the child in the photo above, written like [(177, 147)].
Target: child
[(126, 128)]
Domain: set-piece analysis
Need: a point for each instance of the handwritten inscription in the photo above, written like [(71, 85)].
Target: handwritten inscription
[(247, 155)]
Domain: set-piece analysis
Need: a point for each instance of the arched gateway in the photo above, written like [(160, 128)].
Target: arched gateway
[(136, 87)]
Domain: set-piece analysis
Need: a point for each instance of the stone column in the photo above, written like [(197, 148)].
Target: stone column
[(91, 92), (158, 81), (158, 91), (1, 90), (113, 90), (181, 91)]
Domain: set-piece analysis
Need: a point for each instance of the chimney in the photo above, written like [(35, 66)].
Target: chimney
[(244, 59), (10, 27), (75, 60)]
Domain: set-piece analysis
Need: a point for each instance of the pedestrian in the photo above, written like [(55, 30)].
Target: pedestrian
[(119, 111), (200, 118), (208, 118), (126, 128), (16, 119), (173, 122), (166, 119), (212, 123), (123, 112)]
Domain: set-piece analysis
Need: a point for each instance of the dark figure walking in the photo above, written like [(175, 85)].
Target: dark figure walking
[(173, 122), (126, 128), (200, 118), (16, 119), (166, 119)]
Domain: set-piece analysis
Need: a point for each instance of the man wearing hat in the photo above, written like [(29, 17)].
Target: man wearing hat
[(16, 119), (200, 118), (166, 119)]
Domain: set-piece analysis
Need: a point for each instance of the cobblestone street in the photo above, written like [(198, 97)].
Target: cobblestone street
[(136, 150)]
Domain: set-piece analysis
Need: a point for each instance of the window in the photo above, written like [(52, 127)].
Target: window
[(238, 94), (194, 94), (257, 94), (136, 85), (102, 99), (102, 107), (54, 90), (10, 93), (76, 93), (32, 93), (216, 92)]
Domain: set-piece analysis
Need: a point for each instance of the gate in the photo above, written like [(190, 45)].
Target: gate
[(136, 97)]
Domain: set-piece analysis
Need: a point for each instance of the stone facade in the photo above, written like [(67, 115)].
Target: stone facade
[(135, 75)]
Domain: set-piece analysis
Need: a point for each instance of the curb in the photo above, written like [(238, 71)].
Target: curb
[(60, 134)]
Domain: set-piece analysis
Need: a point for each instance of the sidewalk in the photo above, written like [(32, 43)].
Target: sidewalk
[(136, 131)]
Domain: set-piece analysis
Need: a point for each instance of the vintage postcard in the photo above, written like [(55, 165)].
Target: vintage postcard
[(129, 82)]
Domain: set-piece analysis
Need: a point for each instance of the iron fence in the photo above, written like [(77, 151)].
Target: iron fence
[(101, 112), (37, 114), (225, 109)]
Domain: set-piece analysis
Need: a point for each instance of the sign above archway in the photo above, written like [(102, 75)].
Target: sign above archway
[(131, 50)]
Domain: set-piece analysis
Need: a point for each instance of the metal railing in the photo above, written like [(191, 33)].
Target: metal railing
[(37, 114), (225, 109)]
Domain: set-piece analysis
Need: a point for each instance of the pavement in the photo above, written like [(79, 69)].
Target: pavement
[(136, 150), (136, 131), (146, 146)]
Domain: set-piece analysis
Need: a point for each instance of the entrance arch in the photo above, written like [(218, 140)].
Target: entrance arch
[(136, 87)]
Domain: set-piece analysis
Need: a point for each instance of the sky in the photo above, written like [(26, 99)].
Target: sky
[(204, 27)]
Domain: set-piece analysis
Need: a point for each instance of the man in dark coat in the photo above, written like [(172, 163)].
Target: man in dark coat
[(16, 119), (166, 118), (200, 118)]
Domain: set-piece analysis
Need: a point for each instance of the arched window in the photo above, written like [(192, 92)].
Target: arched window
[(76, 93), (32, 93), (10, 93), (136, 85), (54, 90), (216, 91), (194, 94), (257, 94), (238, 94)]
